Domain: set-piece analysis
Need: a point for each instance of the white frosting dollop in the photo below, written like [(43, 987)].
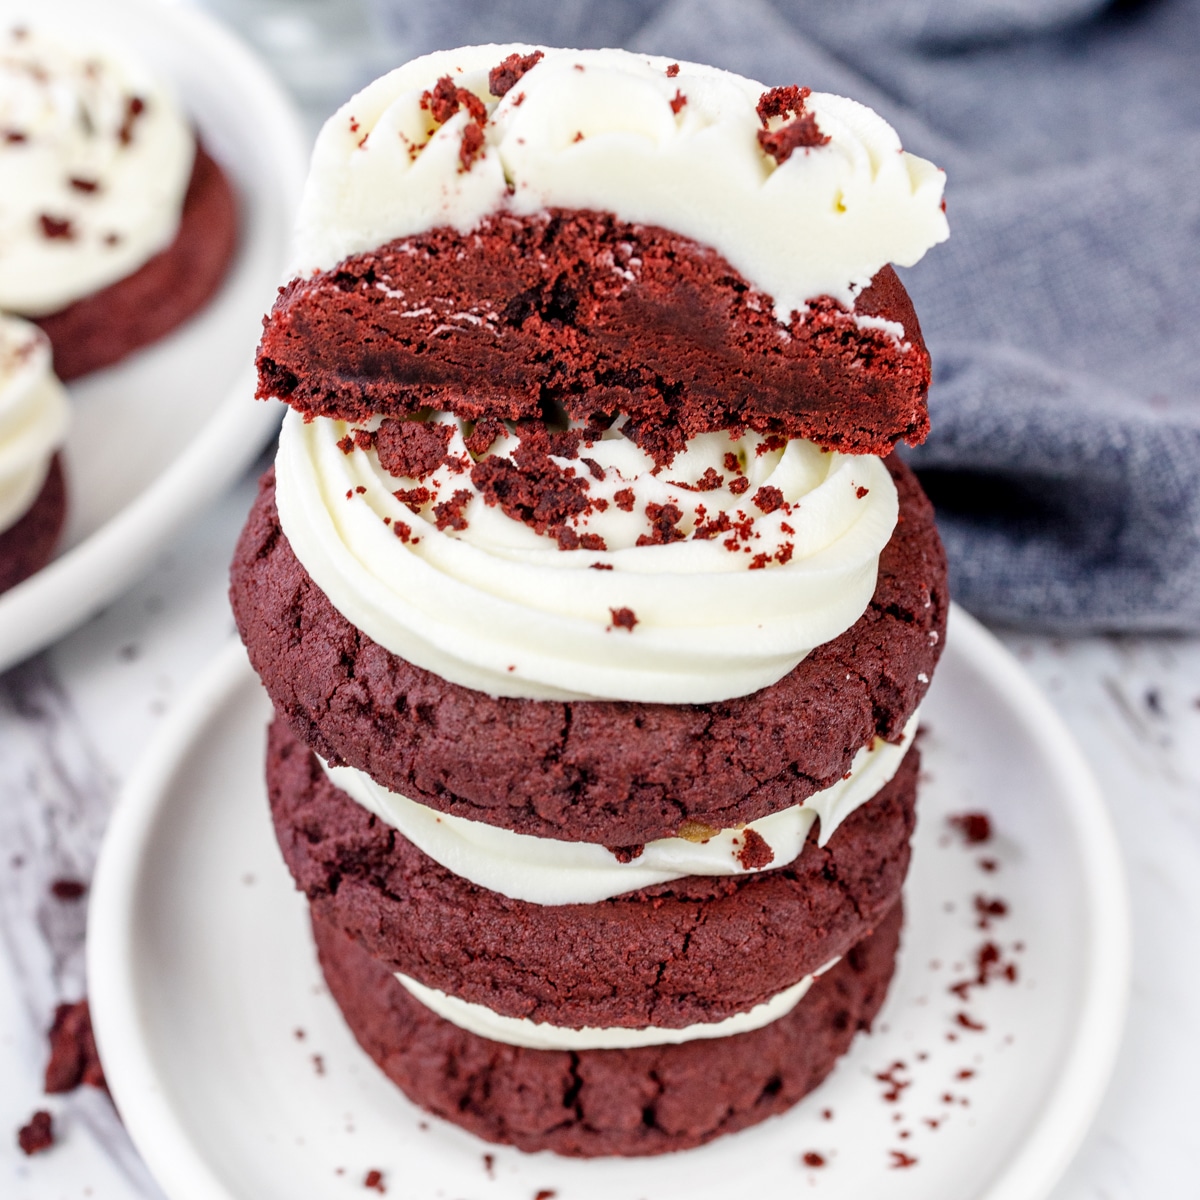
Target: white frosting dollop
[(540, 1035), (610, 130), (34, 415), (95, 158), (500, 608), (548, 871)]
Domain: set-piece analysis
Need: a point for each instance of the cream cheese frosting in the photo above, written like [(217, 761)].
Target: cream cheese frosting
[(434, 573), (548, 871), (95, 158), (540, 1035), (652, 141), (34, 416)]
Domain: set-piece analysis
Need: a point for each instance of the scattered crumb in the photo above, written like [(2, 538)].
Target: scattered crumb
[(73, 1057), (38, 1135), (68, 889), (813, 1159), (374, 1179)]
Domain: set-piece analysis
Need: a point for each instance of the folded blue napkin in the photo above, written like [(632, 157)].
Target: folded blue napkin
[(1065, 454)]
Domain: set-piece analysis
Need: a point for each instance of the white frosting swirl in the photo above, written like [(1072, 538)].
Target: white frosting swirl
[(541, 1035), (95, 157), (497, 607), (597, 129), (34, 415), (548, 871)]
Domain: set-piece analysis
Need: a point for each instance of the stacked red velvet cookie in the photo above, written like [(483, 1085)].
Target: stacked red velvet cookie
[(595, 624)]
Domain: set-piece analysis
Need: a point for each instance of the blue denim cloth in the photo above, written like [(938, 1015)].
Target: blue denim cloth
[(1065, 454)]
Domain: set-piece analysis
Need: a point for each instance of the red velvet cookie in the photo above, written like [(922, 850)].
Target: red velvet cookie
[(104, 327), (596, 1102), (696, 949), (579, 311), (619, 773), (28, 545)]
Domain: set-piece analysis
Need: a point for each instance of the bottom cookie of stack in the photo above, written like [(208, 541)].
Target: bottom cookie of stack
[(588, 1102)]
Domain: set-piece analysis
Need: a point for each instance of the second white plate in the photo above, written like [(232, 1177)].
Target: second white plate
[(157, 437), (238, 1080)]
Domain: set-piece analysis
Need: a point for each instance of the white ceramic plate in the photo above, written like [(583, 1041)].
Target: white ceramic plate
[(159, 436), (202, 970)]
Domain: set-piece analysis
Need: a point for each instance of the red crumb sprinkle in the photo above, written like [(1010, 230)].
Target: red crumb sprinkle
[(768, 499), (965, 1073), (578, 133), (969, 1022), (56, 229), (755, 853), (489, 1163), (547, 1193), (975, 827), (14, 137), (38, 1135), (402, 531), (624, 499), (134, 107), (441, 102), (900, 1159), (623, 618), (801, 133), (779, 101), (861, 492), (895, 1085), (600, 566), (345, 444), (739, 485), (374, 1180), (448, 514), (813, 1159), (678, 101), (73, 1056), (412, 449), (413, 498), (827, 1114), (470, 147), (987, 910), (67, 889), (87, 186), (672, 70), (664, 519), (732, 463), (503, 77)]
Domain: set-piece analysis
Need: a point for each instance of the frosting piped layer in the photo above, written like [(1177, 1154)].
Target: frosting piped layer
[(550, 871), (713, 606), (540, 1035), (661, 143), (34, 416), (95, 158)]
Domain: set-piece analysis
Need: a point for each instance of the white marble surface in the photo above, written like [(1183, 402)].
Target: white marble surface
[(73, 720)]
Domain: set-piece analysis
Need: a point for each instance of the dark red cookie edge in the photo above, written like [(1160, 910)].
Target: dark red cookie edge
[(101, 329), (588, 1103), (560, 322), (27, 546), (695, 949), (619, 773)]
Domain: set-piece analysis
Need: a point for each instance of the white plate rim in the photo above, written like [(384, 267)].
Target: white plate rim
[(1065, 1115), (78, 583)]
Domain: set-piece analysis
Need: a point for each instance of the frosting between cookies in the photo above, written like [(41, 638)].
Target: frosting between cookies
[(499, 608), (34, 415), (548, 871), (541, 1035), (95, 158), (612, 131)]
